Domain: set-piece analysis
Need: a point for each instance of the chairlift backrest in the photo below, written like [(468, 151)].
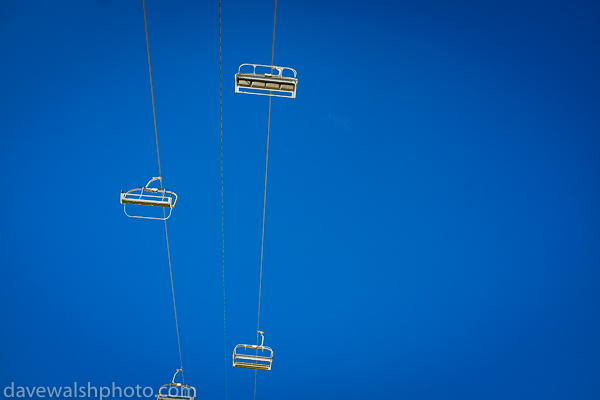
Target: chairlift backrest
[(267, 81)]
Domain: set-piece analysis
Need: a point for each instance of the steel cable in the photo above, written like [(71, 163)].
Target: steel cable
[(262, 244), (222, 213), (162, 185)]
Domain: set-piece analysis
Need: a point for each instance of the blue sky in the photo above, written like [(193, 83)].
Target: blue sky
[(432, 225)]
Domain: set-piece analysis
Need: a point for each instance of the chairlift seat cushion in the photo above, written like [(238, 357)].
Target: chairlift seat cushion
[(167, 397), (145, 202), (267, 84), (270, 82), (264, 367), (253, 358)]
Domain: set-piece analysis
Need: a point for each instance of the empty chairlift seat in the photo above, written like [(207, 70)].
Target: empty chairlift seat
[(266, 80), (253, 361), (147, 196), (176, 391)]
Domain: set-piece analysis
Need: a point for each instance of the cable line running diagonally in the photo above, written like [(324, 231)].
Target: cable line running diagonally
[(272, 81), (222, 213), (269, 84), (164, 212), (262, 244)]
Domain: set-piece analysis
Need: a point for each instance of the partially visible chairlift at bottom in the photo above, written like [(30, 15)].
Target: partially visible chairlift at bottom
[(182, 391), (253, 361)]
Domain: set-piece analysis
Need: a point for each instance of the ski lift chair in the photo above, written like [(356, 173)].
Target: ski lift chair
[(253, 361), (270, 82), (182, 391), (147, 196)]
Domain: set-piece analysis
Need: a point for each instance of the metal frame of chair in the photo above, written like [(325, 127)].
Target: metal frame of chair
[(266, 84), (147, 196), (181, 390), (253, 361)]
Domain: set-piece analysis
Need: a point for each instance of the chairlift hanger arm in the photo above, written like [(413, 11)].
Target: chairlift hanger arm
[(175, 374), (154, 178)]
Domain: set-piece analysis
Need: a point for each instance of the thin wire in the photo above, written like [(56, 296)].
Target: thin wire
[(262, 244), (273, 51), (160, 175), (222, 214), (152, 91), (174, 306)]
